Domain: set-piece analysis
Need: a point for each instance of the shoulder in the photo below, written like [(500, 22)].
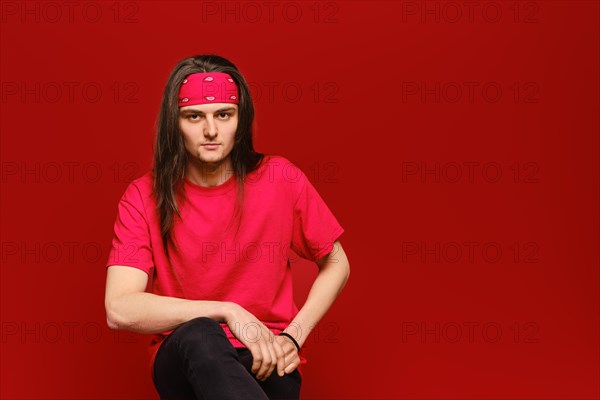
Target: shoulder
[(287, 176), (277, 174), (139, 190), (275, 160), (283, 170), (144, 183)]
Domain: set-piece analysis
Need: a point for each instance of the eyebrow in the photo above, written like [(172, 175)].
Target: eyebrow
[(195, 111)]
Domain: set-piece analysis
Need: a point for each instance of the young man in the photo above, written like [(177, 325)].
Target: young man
[(200, 256)]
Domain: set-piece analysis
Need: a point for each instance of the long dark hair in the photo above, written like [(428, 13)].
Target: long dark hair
[(170, 156)]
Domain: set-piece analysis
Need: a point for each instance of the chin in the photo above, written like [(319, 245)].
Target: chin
[(211, 159)]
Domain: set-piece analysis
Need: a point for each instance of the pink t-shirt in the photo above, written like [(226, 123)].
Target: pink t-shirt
[(281, 210)]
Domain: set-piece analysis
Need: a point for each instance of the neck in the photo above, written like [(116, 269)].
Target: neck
[(209, 174)]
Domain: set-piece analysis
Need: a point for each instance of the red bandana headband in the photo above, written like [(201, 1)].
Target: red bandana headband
[(206, 88)]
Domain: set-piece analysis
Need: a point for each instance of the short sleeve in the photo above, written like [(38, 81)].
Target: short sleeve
[(315, 228), (131, 240)]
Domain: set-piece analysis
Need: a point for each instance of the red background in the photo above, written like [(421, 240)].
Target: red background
[(471, 217)]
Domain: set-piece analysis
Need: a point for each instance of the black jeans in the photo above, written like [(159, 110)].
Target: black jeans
[(197, 362)]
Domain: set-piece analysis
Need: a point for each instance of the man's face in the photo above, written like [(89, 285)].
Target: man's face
[(205, 124)]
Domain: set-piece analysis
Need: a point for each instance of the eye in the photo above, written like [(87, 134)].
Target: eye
[(224, 114), (193, 115)]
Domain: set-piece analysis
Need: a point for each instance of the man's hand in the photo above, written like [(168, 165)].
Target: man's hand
[(266, 349), (292, 359)]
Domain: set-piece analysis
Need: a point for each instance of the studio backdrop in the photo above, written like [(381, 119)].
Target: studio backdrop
[(457, 144)]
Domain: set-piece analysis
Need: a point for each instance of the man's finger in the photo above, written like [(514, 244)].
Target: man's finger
[(273, 362), (256, 358), (290, 368), (266, 356), (280, 358)]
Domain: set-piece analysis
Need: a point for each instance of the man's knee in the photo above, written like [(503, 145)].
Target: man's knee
[(199, 331), (203, 340), (200, 324)]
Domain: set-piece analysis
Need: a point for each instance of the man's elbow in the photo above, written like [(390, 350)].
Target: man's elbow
[(347, 270), (112, 324), (339, 263), (114, 317)]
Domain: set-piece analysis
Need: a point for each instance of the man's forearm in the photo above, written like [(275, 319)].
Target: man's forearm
[(150, 313), (330, 281)]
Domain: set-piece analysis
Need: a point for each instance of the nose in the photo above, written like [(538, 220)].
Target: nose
[(210, 129)]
